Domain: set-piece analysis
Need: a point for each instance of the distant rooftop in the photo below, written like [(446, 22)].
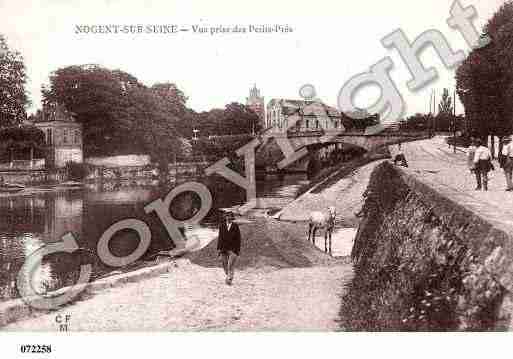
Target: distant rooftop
[(54, 112), (290, 107)]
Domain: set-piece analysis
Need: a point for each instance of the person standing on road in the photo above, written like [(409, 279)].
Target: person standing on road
[(507, 162), (482, 164), (228, 245), (470, 160), (399, 157)]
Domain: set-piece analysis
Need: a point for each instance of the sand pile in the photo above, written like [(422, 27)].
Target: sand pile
[(270, 244)]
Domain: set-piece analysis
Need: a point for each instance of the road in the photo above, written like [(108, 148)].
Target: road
[(433, 161)]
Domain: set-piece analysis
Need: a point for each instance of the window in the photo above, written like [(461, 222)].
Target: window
[(307, 123), (77, 137), (64, 137), (335, 124), (316, 123)]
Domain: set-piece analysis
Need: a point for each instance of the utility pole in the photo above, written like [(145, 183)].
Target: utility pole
[(434, 111), (431, 128), (454, 120)]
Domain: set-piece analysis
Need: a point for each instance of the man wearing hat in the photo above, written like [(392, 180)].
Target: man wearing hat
[(507, 153), (228, 245)]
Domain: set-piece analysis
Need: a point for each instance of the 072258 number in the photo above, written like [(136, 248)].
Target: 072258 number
[(39, 349)]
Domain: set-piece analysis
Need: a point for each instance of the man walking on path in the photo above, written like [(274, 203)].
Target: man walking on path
[(228, 245), (507, 162), (483, 165)]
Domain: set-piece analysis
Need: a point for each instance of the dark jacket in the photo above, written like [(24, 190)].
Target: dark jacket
[(229, 240)]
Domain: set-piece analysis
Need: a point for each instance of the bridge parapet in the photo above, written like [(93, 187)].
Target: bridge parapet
[(368, 142)]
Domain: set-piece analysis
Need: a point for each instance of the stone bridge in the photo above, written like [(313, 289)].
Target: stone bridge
[(298, 144), (317, 139)]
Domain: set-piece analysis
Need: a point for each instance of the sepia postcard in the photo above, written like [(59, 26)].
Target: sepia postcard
[(265, 167)]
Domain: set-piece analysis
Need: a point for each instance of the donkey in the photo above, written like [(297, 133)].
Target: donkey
[(324, 220)]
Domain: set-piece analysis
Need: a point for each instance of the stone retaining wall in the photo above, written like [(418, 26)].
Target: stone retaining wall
[(34, 177), (425, 261)]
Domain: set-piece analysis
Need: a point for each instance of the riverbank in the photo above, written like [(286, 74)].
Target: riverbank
[(282, 281), (343, 190)]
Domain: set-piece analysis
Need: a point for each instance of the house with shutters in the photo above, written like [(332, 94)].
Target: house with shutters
[(63, 136), (308, 115)]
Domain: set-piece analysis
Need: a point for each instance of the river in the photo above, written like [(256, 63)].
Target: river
[(28, 222)]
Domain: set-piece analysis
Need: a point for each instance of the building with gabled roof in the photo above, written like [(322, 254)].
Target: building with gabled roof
[(63, 136), (311, 115)]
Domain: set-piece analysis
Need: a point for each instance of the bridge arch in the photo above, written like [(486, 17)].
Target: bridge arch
[(314, 141)]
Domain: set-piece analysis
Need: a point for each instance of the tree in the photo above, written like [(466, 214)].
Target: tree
[(13, 77), (240, 119), (152, 127), (19, 141), (98, 99), (480, 86), (485, 79), (119, 114), (417, 122), (174, 97), (500, 29), (360, 119), (234, 119)]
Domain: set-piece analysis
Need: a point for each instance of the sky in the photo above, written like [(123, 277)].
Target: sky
[(330, 42)]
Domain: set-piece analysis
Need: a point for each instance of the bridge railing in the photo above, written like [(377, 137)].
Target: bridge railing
[(320, 133)]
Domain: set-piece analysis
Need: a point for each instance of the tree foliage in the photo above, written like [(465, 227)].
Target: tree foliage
[(215, 148), (359, 120), (443, 122), (417, 122), (153, 125), (98, 99), (13, 77), (234, 119), (120, 115), (485, 79), (17, 141)]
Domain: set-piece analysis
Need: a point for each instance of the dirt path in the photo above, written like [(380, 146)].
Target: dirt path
[(433, 161), (191, 297), (281, 283)]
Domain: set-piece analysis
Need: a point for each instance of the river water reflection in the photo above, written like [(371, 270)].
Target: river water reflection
[(29, 222)]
